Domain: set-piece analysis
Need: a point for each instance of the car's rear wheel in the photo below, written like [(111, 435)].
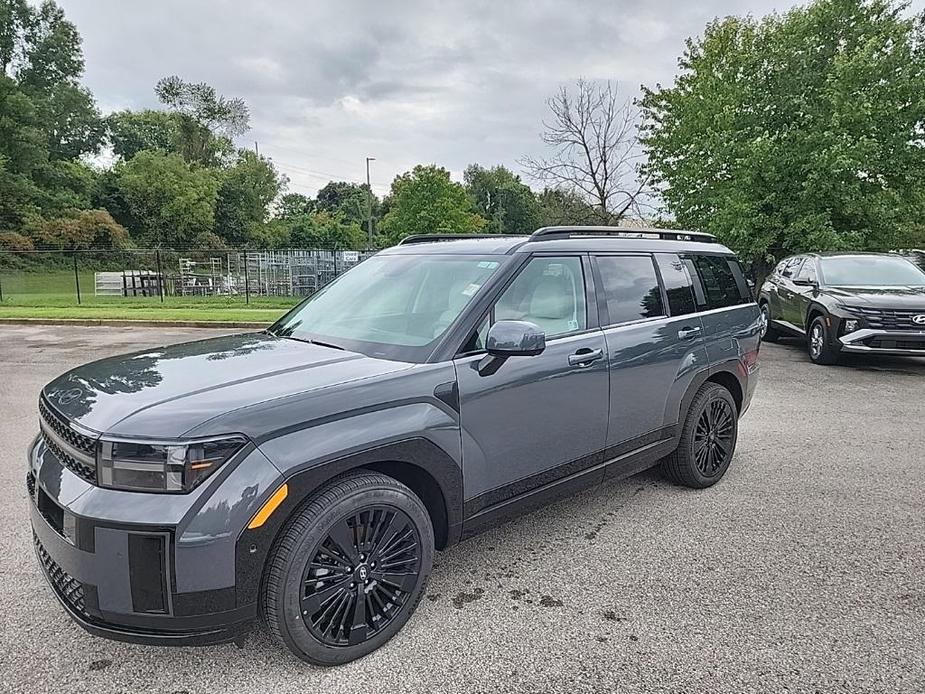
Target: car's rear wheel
[(818, 343), (768, 333), (708, 439), (348, 569)]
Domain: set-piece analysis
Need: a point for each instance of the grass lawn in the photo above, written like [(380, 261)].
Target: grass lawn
[(53, 295)]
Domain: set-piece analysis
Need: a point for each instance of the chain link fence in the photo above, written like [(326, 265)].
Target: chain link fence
[(166, 275)]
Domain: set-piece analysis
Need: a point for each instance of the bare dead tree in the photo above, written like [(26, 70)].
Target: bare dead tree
[(596, 153)]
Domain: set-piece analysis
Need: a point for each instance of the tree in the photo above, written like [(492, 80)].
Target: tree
[(245, 193), (500, 197), (562, 207), (171, 202), (796, 132), (130, 132), (325, 230), (80, 230), (207, 120), (350, 200), (425, 200), (595, 150)]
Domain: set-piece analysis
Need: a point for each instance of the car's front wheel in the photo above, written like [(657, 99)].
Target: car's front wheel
[(348, 569), (819, 345)]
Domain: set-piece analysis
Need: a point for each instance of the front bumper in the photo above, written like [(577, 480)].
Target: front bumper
[(903, 343), (136, 568)]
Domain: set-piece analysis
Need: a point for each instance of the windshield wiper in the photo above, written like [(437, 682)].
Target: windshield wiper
[(312, 341)]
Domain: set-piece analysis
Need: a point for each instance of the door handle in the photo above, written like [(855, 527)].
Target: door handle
[(585, 356), (688, 333)]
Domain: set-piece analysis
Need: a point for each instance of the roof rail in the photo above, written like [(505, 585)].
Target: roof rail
[(428, 238), (626, 232)]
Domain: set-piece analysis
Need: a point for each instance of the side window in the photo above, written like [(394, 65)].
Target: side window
[(548, 291), (807, 272), (719, 282), (678, 284), (792, 267), (631, 288)]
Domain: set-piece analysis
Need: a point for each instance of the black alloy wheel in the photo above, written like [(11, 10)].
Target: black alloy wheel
[(714, 437), (708, 439), (348, 569), (360, 575)]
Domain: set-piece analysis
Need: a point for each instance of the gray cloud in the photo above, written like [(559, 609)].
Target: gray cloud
[(413, 82)]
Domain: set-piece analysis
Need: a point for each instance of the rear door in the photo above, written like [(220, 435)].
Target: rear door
[(654, 344), (731, 320), (789, 293)]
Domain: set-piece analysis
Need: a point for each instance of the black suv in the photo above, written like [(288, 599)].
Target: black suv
[(860, 303), (305, 474)]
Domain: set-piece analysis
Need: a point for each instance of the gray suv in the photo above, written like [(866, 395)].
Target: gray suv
[(305, 475)]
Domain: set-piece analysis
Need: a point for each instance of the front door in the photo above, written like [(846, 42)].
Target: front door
[(536, 419)]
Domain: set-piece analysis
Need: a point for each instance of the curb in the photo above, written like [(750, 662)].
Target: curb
[(119, 322)]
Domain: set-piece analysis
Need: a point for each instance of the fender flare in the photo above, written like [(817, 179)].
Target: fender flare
[(253, 546)]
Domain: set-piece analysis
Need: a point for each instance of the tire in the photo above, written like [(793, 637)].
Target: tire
[(819, 345), (769, 334), (696, 462), (311, 597)]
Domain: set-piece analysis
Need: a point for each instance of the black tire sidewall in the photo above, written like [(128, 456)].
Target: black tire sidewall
[(827, 354), (715, 392), (297, 637)]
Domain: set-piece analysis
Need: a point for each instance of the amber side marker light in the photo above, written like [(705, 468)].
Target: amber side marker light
[(269, 507)]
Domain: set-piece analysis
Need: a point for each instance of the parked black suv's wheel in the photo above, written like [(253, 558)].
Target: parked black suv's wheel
[(708, 439), (818, 343), (768, 333), (348, 569)]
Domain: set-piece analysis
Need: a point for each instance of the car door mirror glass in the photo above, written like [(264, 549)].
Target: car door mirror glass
[(515, 338)]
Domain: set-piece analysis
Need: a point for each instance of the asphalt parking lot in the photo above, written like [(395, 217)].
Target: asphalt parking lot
[(802, 571)]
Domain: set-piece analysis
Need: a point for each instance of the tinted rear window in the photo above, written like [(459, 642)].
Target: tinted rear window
[(678, 285), (630, 288), (721, 285)]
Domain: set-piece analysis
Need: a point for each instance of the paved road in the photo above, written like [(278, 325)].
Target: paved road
[(803, 570)]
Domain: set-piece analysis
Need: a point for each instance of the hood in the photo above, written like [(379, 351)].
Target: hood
[(911, 297), (167, 391)]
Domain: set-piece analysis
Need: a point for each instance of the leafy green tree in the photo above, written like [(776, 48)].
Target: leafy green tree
[(503, 199), (206, 120), (558, 207), (325, 230), (244, 196), (292, 205), (425, 200), (80, 230), (796, 132), (171, 202), (130, 132), (350, 200)]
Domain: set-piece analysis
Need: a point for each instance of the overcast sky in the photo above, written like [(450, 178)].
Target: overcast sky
[(330, 83)]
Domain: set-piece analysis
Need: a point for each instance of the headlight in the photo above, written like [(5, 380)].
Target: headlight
[(141, 466)]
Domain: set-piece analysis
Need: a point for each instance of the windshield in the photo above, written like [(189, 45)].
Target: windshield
[(391, 306), (870, 271)]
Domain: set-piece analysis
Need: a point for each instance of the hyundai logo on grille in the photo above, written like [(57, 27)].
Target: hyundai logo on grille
[(919, 319)]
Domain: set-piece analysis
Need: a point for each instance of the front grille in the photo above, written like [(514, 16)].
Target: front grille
[(75, 451), (889, 318), (66, 586), (59, 425)]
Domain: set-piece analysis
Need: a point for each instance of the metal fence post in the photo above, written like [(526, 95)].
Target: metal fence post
[(1, 290), (247, 289), (160, 277), (76, 278)]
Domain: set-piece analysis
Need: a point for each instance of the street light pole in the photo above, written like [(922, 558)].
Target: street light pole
[(369, 206)]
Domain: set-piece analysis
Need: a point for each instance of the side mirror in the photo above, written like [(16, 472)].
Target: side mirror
[(515, 338), (510, 338), (805, 282)]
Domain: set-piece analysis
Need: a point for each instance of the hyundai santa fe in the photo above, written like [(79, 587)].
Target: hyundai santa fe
[(305, 475)]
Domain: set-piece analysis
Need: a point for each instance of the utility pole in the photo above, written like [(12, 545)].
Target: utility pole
[(369, 206)]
